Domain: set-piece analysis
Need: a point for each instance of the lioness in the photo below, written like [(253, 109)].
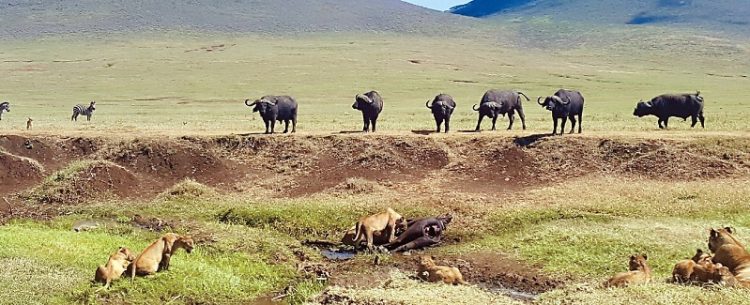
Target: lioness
[(430, 272), (116, 265), (366, 226), (156, 256), (729, 252), (639, 273), (684, 268)]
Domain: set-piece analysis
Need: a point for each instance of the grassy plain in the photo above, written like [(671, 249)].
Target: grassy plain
[(580, 231), (177, 84)]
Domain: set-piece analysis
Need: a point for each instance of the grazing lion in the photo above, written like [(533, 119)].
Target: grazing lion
[(683, 270), (430, 272), (156, 257), (639, 273), (368, 225), (116, 265), (730, 252)]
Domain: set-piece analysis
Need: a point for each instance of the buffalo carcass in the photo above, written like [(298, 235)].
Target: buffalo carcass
[(442, 108), (673, 105), (564, 104), (371, 104), (505, 102), (276, 108)]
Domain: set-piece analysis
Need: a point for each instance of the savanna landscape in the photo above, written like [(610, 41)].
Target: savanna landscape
[(537, 219)]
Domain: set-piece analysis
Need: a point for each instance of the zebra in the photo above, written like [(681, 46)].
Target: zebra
[(87, 111), (4, 107)]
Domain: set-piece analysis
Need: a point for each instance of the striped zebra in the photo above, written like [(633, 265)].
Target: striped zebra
[(4, 107), (81, 110)]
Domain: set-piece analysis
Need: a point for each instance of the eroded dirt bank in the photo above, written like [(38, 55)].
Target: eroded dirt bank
[(296, 166)]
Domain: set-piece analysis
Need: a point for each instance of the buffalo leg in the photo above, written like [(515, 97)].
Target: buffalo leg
[(366, 127), (554, 129), (511, 119), (447, 124), (694, 120), (479, 123), (661, 123), (666, 123), (268, 127), (562, 125), (419, 243), (438, 122), (273, 126), (494, 121), (573, 123), (580, 121), (523, 117), (374, 124), (294, 124), (286, 126), (703, 120)]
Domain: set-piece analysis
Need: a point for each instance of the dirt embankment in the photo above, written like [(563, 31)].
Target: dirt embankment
[(294, 166)]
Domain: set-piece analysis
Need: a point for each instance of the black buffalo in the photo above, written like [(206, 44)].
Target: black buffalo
[(504, 102), (371, 104), (276, 108), (442, 108), (564, 104), (421, 233), (673, 105)]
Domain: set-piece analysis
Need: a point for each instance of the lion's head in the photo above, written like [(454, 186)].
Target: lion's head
[(637, 262), (720, 237)]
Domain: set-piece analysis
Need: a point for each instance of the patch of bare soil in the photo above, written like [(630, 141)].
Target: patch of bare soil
[(163, 163), (499, 273), (490, 166), (18, 173), (346, 165), (97, 180)]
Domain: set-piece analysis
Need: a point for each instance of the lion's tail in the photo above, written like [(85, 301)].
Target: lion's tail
[(357, 233), (132, 268)]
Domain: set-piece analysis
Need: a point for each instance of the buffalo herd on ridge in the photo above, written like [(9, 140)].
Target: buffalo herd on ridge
[(564, 105)]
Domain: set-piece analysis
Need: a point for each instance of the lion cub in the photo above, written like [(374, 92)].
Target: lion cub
[(116, 265), (156, 257), (683, 270), (430, 272), (368, 225), (639, 273)]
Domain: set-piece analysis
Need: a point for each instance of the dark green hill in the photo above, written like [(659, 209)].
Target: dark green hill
[(24, 18)]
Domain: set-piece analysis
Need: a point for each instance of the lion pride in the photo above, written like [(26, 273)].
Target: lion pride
[(730, 252)]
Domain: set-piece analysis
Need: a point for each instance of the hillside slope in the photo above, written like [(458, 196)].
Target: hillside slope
[(23, 18), (728, 15)]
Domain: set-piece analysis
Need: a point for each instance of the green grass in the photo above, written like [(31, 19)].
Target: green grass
[(210, 274)]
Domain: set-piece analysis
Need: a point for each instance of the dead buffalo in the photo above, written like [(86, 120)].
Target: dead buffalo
[(564, 104), (442, 108), (276, 108), (673, 105), (506, 102), (371, 104)]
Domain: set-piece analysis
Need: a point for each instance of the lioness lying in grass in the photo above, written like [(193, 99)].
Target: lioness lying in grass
[(639, 273)]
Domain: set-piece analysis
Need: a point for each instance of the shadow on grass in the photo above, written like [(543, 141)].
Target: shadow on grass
[(530, 140)]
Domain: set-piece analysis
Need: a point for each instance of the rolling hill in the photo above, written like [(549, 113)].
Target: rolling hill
[(724, 15), (24, 18)]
